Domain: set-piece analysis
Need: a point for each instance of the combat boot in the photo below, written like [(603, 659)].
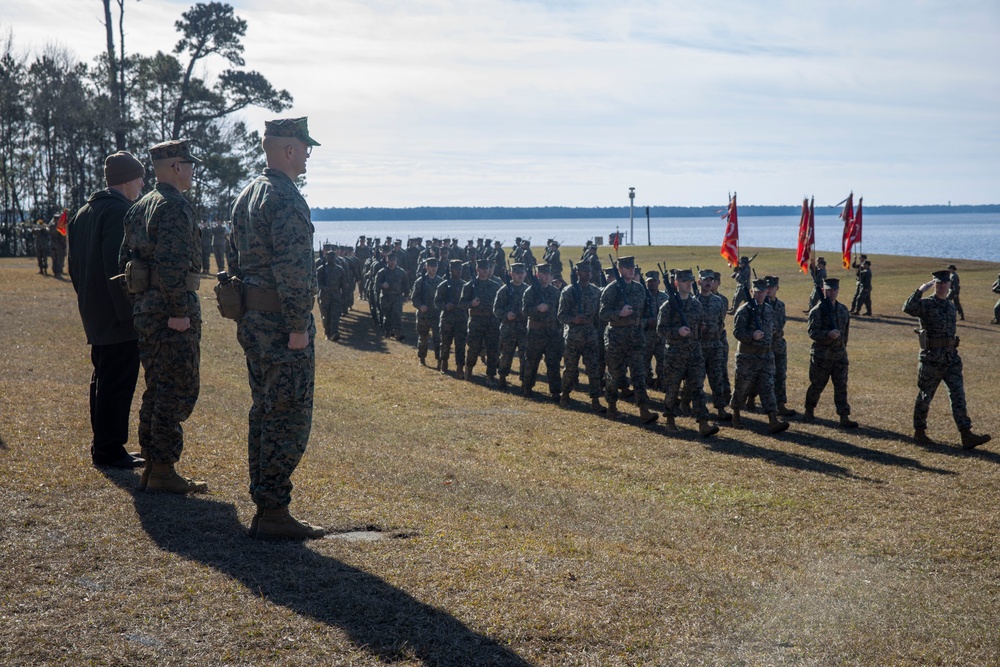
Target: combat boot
[(685, 409), (706, 429), (647, 416), (751, 405), (443, 366), (613, 409), (163, 477), (437, 366), (564, 400), (527, 391), (785, 411), (595, 405), (808, 416), (920, 437), (736, 422), (252, 531), (627, 393), (670, 426), (468, 372), (423, 360), (280, 524), (144, 475), (723, 415), (774, 424), (491, 381), (502, 382), (971, 440), (847, 422)]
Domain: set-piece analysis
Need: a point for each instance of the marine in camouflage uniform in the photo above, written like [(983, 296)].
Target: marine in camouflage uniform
[(273, 236), (623, 339), (742, 276), (954, 295), (818, 273), (753, 328), (655, 347), (454, 320), (206, 248), (43, 246), (779, 346), (509, 310), (723, 336), (58, 244), (330, 279), (161, 233), (996, 308), (578, 308), (939, 359), (541, 304), (428, 316), (829, 326), (863, 290), (679, 323), (483, 335), (713, 351), (391, 285)]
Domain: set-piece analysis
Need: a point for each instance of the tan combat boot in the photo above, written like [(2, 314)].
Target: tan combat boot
[(444, 366), (723, 415), (468, 372), (280, 524), (564, 399), (706, 429), (595, 405), (647, 416), (670, 426), (736, 423), (613, 409), (774, 424), (785, 411), (163, 477), (144, 475), (847, 422), (809, 416), (920, 437), (252, 531), (971, 440)]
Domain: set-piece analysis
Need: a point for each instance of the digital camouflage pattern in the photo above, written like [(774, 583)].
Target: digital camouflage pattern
[(483, 333), (937, 364), (655, 348), (545, 336), (513, 333), (390, 299), (624, 341), (578, 309), (454, 320), (273, 236), (331, 279), (780, 348), (160, 231), (683, 360), (828, 357), (428, 323), (754, 359), (713, 348)]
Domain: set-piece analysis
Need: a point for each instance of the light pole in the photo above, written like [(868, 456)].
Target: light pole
[(631, 223), (649, 239)]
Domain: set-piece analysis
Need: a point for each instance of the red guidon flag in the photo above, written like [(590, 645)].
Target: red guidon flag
[(847, 215), (853, 234), (61, 223), (807, 237), (731, 241)]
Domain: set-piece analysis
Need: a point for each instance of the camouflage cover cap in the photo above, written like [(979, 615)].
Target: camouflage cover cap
[(942, 276), (178, 148), (483, 264), (707, 274), (684, 275), (627, 262), (456, 263), (952, 267), (652, 275), (431, 261), (584, 266), (772, 281), (517, 267), (760, 285), (297, 128), (543, 268), (831, 283)]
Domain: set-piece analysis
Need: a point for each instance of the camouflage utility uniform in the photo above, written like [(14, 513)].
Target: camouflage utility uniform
[(578, 308), (544, 337)]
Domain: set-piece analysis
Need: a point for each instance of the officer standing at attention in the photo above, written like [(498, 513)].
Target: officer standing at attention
[(163, 240), (95, 236), (273, 236), (939, 359), (829, 325)]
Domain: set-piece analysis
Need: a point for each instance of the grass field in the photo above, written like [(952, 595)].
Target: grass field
[(512, 532)]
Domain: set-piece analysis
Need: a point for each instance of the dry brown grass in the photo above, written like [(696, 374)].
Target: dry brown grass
[(516, 533)]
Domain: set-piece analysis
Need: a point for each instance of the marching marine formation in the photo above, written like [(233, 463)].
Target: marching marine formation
[(829, 327)]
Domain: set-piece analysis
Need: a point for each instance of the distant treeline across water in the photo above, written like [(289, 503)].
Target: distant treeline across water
[(615, 212)]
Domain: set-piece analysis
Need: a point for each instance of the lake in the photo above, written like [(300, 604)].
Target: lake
[(958, 236)]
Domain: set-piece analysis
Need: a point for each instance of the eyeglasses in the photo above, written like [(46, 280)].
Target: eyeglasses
[(309, 150), (191, 162)]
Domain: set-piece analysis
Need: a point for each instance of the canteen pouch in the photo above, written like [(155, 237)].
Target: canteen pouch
[(230, 297), (922, 337), (136, 276)]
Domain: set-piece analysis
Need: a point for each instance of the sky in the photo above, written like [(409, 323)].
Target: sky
[(570, 103)]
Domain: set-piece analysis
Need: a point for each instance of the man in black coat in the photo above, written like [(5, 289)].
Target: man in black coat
[(95, 236)]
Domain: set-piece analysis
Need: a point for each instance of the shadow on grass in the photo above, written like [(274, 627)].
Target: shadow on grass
[(375, 615), (843, 448), (955, 450), (724, 444), (357, 330)]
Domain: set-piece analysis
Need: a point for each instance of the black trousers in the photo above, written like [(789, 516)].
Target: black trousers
[(116, 369)]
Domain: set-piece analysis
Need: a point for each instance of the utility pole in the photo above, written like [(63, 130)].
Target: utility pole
[(631, 223), (649, 240)]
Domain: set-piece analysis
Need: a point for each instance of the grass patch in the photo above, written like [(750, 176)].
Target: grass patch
[(514, 532)]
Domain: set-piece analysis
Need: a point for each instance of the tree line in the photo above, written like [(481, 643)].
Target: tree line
[(59, 118)]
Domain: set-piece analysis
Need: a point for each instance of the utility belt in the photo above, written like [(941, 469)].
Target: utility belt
[(481, 312), (681, 341), (928, 343), (141, 277), (625, 322), (752, 348), (710, 337), (535, 325), (830, 342)]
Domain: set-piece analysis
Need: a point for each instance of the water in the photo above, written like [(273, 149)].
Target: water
[(958, 236)]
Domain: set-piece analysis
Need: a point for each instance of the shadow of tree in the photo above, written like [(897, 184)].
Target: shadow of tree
[(375, 615)]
